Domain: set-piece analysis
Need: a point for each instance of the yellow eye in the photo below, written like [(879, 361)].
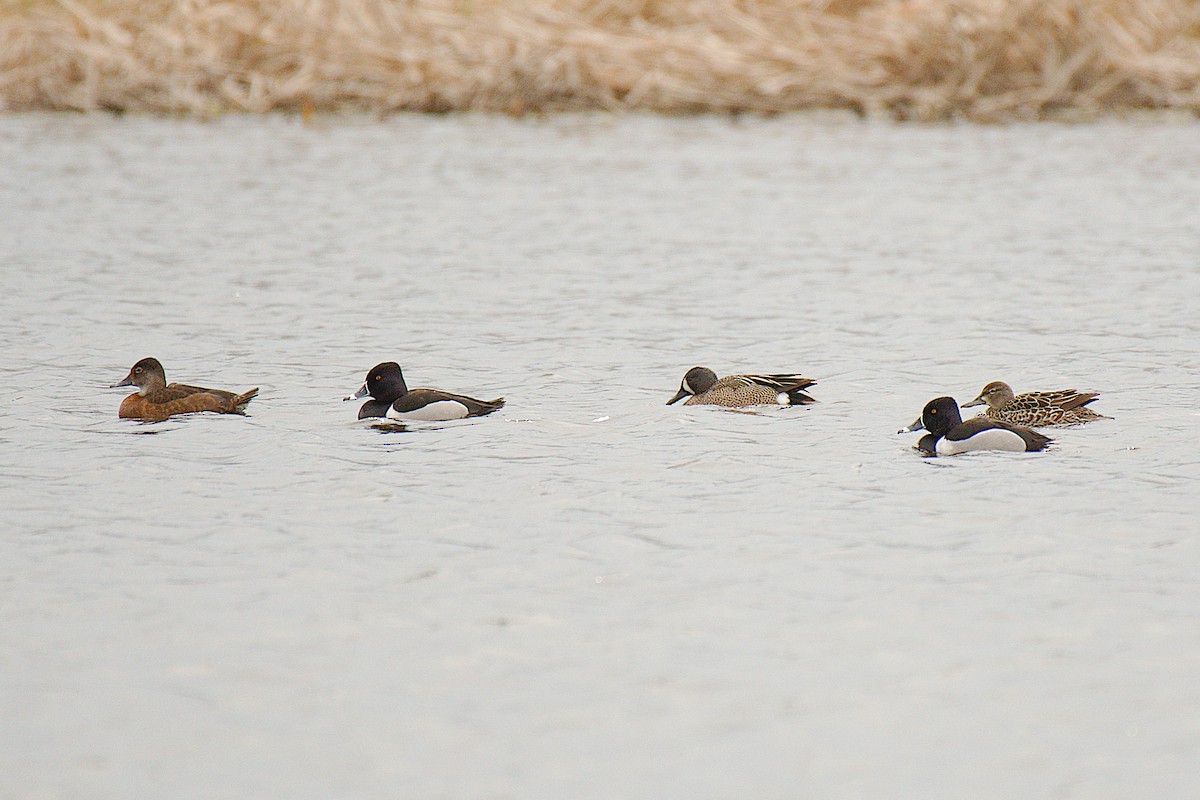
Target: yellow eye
[(933, 411), (377, 377)]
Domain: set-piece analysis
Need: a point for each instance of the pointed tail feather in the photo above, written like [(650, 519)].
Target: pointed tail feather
[(1080, 400), (481, 408), (799, 398), (240, 401), (796, 394)]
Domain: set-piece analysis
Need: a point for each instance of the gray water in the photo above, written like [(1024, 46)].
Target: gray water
[(590, 594)]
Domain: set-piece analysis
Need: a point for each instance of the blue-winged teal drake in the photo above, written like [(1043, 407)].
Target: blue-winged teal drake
[(702, 387), (948, 435), (1036, 409), (155, 400), (391, 397)]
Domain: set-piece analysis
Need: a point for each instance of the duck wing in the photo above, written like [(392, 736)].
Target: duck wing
[(415, 400), (179, 390), (1059, 398), (782, 382), (179, 398), (790, 383), (1069, 399)]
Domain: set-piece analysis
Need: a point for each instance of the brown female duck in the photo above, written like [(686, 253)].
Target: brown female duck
[(156, 400), (1036, 409)]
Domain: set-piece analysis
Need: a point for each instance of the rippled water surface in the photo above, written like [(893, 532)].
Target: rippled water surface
[(591, 594)]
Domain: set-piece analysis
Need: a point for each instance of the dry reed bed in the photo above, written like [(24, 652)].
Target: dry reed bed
[(924, 59)]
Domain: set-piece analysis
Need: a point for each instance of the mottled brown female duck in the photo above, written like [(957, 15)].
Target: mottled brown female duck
[(1036, 409), (155, 400), (702, 387)]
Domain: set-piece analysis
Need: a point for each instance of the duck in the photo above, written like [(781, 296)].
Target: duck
[(391, 398), (155, 399), (1036, 409), (701, 386), (948, 435)]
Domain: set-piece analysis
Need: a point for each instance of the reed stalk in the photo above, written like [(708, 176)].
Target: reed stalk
[(987, 60)]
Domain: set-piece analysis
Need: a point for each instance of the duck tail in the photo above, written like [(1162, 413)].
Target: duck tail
[(796, 394), (1080, 400), (240, 401), (799, 398)]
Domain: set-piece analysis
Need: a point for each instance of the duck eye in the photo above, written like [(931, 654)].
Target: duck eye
[(377, 377), (933, 411), (138, 370)]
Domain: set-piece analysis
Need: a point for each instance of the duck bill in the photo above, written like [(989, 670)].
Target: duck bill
[(678, 396), (361, 393), (978, 401), (128, 381), (916, 425)]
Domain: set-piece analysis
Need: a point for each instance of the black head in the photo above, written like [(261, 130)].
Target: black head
[(146, 374), (384, 382), (940, 415), (698, 380)]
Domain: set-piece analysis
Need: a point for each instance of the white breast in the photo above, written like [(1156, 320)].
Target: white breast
[(433, 412), (991, 439)]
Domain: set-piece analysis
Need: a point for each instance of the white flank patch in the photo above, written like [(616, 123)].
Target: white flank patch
[(783, 399), (434, 412), (991, 439)]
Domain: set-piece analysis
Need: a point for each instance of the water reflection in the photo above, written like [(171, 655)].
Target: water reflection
[(283, 589)]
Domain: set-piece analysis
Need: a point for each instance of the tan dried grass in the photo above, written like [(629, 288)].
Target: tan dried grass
[(923, 59)]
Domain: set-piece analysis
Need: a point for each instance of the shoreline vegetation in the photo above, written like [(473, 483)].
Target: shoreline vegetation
[(981, 60)]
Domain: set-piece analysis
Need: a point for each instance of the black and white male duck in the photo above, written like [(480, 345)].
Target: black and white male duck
[(391, 398), (948, 435)]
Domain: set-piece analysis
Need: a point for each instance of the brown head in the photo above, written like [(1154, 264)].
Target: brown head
[(996, 394), (147, 375)]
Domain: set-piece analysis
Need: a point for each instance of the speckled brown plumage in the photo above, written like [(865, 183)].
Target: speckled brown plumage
[(155, 400), (702, 387), (1036, 409)]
